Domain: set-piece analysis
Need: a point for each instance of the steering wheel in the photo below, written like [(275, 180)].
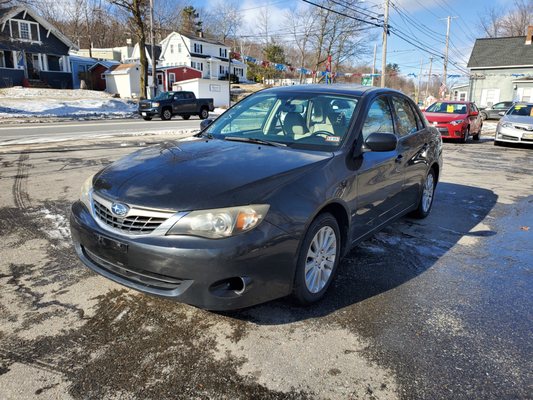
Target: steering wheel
[(321, 132)]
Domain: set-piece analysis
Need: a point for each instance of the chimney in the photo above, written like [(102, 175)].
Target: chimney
[(200, 34), (529, 34)]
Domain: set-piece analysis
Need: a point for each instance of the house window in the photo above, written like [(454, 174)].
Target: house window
[(223, 53), (238, 71), (197, 65), (24, 30), (198, 48), (171, 49), (179, 47), (2, 59), (221, 70), (102, 77), (54, 63)]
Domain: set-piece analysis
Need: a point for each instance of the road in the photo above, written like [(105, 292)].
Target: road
[(432, 309), (61, 131)]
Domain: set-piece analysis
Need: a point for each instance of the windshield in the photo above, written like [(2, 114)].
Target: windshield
[(447, 108), (164, 96), (525, 110), (301, 120)]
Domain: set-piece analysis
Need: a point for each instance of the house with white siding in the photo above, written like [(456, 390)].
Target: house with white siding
[(209, 56)]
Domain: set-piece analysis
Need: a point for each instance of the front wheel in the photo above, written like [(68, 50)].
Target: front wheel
[(426, 200), (318, 259), (484, 116), (166, 114), (204, 113), (465, 137)]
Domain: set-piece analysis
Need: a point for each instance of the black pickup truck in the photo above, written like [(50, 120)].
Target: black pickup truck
[(167, 104)]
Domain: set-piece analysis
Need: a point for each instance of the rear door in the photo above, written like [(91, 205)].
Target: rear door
[(190, 103), (379, 176), (413, 145)]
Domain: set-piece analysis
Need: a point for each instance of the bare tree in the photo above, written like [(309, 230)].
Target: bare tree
[(137, 10), (225, 20), (301, 24), (495, 23)]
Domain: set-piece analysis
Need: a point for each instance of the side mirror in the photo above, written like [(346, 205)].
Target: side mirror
[(501, 113), (205, 123), (381, 141)]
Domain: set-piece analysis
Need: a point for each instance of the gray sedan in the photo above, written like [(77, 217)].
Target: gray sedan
[(516, 126)]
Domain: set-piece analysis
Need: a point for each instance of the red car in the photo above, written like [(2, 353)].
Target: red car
[(455, 119)]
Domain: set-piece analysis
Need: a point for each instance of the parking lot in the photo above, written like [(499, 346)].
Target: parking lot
[(432, 309)]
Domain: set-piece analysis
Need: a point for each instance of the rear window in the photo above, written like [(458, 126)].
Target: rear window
[(447, 108)]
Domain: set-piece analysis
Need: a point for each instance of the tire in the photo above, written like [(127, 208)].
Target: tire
[(204, 113), (484, 116), (476, 136), (147, 118), (307, 290), (185, 117), (166, 114), (465, 138), (498, 143), (428, 189)]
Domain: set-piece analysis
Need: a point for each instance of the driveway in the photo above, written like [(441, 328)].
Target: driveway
[(432, 309)]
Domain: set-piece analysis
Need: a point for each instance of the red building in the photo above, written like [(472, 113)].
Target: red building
[(97, 74), (166, 76)]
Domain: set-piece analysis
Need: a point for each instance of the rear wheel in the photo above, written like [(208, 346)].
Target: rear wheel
[(166, 114), (484, 116), (426, 200), (476, 136), (147, 118), (185, 116), (465, 137), (204, 113), (318, 259)]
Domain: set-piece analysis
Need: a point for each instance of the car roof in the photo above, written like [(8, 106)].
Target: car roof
[(336, 88)]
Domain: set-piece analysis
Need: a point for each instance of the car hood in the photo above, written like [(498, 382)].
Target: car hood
[(439, 117), (202, 174), (518, 119)]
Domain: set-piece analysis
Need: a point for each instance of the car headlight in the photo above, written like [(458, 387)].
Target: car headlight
[(85, 192), (457, 122), (220, 223), (155, 104), (507, 125)]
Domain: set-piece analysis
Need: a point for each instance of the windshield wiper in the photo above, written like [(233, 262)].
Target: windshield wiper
[(254, 140)]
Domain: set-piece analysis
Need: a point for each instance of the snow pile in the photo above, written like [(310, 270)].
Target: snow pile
[(59, 228), (49, 103)]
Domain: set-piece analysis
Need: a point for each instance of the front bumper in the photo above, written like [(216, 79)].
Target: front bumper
[(448, 131), (197, 271), (148, 112), (513, 135)]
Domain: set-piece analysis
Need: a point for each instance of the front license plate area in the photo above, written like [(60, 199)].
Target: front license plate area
[(111, 250), (143, 114)]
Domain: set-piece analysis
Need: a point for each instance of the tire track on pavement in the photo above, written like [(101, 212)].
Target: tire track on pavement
[(20, 185)]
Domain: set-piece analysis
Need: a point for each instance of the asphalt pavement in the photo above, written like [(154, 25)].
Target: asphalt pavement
[(69, 130), (433, 309)]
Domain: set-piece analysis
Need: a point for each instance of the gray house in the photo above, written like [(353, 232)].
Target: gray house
[(502, 70), (32, 51)]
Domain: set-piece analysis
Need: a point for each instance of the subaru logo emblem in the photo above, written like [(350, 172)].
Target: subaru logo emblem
[(119, 209)]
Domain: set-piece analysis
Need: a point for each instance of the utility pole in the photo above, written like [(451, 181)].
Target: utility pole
[(374, 63), (154, 61), (384, 47), (445, 72), (429, 77), (419, 79)]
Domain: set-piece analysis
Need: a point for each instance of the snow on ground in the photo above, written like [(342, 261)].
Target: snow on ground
[(20, 102)]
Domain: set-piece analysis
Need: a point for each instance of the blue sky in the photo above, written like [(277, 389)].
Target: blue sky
[(429, 15)]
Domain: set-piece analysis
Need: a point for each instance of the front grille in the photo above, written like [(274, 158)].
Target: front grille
[(144, 106), (523, 128), (507, 137), (143, 277), (133, 224)]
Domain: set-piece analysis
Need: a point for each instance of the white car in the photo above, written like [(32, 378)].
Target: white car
[(516, 125)]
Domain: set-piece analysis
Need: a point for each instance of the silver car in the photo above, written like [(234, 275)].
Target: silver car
[(516, 125)]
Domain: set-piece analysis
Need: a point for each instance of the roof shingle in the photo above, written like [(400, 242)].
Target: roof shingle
[(504, 52)]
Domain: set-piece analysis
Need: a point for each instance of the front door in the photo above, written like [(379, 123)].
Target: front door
[(379, 175), (160, 83), (33, 65)]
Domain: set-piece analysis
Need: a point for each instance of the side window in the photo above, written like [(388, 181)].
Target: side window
[(419, 120), (406, 120), (378, 119), (178, 96)]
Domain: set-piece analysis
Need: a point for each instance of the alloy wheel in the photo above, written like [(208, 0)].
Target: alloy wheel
[(320, 259), (427, 195)]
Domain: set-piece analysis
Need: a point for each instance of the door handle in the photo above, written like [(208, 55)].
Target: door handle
[(398, 159)]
